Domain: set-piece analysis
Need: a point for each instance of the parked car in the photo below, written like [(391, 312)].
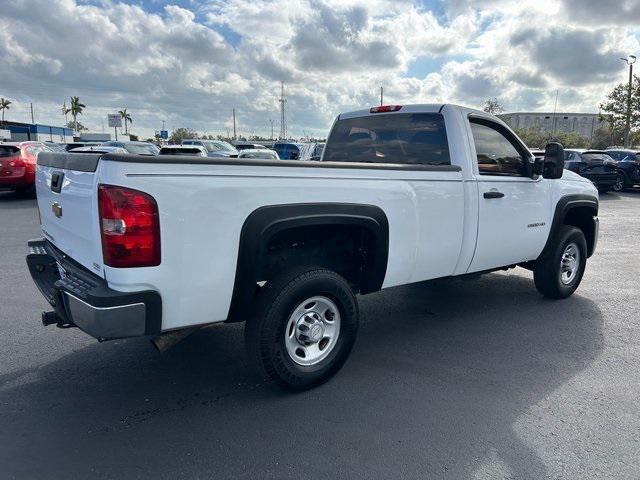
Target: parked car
[(72, 145), (98, 149), (18, 165), (54, 147), (193, 150), (259, 153), (537, 153), (215, 148), (137, 148), (238, 145), (316, 153), (596, 165), (629, 165), (294, 150)]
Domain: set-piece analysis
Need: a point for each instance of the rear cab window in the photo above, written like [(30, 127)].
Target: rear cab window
[(400, 138)]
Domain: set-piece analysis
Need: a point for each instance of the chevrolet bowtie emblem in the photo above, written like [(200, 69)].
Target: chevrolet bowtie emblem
[(56, 209)]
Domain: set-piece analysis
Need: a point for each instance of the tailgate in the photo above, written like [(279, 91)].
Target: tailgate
[(66, 188)]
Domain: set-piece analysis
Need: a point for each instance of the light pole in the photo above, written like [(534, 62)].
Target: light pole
[(630, 60)]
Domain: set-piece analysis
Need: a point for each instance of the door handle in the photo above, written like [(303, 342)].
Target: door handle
[(493, 194)]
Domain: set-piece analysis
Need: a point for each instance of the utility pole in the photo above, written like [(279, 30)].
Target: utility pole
[(32, 120), (234, 124), (381, 94), (555, 107), (631, 59), (271, 122), (283, 121)]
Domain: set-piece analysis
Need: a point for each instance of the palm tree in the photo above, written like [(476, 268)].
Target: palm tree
[(4, 105), (75, 110), (127, 118)]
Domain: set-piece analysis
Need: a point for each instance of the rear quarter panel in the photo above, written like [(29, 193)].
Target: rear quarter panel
[(203, 208)]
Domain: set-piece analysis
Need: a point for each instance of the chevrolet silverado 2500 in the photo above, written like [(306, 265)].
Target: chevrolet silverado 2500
[(157, 245)]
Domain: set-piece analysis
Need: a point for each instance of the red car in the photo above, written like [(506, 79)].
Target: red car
[(18, 165)]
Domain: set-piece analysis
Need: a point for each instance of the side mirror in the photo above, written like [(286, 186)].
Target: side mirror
[(553, 161), (538, 166)]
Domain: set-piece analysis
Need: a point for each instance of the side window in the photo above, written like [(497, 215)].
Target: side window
[(497, 155)]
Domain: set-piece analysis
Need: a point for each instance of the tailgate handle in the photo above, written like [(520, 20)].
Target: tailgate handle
[(56, 181)]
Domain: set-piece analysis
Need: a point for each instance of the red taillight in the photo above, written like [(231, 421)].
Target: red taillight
[(385, 108), (130, 227), (16, 161)]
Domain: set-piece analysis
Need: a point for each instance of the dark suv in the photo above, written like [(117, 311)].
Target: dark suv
[(596, 165), (629, 165)]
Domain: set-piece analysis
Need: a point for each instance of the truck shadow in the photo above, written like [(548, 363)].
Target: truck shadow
[(440, 375)]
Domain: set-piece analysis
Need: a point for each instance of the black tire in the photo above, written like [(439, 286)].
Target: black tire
[(604, 188), (265, 331), (547, 270), (621, 181)]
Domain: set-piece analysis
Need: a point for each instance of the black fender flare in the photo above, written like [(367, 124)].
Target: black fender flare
[(264, 222), (563, 207)]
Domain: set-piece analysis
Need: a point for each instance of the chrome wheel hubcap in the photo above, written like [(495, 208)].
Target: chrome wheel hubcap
[(312, 330), (569, 264)]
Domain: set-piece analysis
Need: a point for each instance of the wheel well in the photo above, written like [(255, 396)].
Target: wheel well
[(582, 218), (349, 250)]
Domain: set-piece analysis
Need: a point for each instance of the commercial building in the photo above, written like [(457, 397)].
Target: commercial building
[(584, 124), (96, 137), (21, 132)]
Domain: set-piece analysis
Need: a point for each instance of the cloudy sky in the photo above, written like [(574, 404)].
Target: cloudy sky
[(190, 62)]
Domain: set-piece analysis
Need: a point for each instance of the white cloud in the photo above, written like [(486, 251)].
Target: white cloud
[(192, 66)]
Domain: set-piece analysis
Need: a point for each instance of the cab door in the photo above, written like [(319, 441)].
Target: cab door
[(514, 217)]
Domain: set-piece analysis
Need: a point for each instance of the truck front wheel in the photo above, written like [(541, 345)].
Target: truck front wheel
[(303, 328), (558, 271)]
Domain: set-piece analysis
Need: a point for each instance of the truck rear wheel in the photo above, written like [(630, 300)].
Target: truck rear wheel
[(559, 270), (303, 328)]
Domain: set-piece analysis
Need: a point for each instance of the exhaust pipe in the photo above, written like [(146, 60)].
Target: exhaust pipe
[(165, 341)]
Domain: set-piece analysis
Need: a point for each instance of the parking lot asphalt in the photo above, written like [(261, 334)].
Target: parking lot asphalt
[(449, 379)]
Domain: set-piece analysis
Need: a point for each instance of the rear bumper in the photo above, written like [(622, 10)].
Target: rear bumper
[(81, 298), (16, 180)]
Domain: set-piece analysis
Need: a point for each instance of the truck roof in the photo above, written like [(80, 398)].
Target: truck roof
[(419, 108)]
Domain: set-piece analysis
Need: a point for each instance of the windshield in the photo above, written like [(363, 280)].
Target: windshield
[(141, 148), (287, 151), (180, 151), (259, 154), (600, 157)]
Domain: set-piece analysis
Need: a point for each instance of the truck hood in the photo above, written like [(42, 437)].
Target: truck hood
[(573, 177)]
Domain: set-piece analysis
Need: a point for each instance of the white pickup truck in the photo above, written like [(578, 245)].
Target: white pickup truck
[(158, 245)]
